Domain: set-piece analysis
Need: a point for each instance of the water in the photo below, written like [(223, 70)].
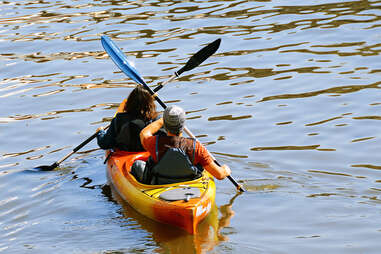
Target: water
[(290, 101)]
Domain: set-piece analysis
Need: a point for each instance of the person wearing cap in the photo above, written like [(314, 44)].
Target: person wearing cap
[(174, 158)]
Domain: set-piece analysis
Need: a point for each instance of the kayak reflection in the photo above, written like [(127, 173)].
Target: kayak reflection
[(173, 240)]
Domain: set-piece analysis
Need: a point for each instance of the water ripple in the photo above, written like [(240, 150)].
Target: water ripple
[(333, 90)]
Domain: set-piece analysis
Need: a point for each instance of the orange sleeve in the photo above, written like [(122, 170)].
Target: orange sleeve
[(149, 144), (202, 155)]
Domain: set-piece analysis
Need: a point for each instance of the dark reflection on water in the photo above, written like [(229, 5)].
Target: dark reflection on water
[(290, 101), (285, 148)]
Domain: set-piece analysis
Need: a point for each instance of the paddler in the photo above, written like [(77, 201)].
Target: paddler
[(123, 133), (174, 158)]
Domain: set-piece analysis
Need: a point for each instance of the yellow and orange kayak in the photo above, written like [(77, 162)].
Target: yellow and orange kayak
[(182, 205)]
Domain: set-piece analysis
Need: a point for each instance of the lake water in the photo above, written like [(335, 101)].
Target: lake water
[(291, 102)]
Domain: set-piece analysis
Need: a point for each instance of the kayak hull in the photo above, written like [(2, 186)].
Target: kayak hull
[(185, 213)]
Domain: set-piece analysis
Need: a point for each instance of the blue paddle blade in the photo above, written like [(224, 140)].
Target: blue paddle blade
[(121, 60)]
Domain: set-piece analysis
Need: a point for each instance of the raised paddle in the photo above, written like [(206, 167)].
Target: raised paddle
[(194, 61), (121, 61)]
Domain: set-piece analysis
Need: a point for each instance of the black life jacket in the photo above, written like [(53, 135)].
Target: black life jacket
[(175, 161), (127, 129), (127, 138)]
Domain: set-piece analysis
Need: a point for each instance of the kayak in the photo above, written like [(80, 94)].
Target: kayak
[(183, 204)]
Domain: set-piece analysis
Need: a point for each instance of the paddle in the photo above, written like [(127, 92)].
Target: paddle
[(194, 61), (121, 61), (56, 164)]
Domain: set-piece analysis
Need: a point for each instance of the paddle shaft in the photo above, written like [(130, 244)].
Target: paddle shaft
[(236, 184), (80, 146), (173, 77)]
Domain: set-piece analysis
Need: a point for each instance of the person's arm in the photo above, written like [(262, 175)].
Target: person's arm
[(161, 132), (206, 160), (150, 130), (217, 171), (105, 139)]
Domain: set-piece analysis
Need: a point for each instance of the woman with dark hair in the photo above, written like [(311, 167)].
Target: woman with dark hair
[(123, 133), (141, 103)]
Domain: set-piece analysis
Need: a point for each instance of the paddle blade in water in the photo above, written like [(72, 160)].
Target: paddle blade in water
[(200, 56), (46, 167), (121, 60)]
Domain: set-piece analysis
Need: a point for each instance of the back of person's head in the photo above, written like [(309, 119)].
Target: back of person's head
[(141, 104), (174, 119)]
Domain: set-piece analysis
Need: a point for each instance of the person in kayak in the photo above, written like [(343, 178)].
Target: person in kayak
[(123, 133), (173, 158)]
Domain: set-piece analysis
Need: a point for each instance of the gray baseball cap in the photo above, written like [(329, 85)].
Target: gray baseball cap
[(174, 119)]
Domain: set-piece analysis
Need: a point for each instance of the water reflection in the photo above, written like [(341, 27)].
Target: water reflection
[(173, 240), (8, 155), (311, 147), (333, 90), (57, 113), (263, 185)]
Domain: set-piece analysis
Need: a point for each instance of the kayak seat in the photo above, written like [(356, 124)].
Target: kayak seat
[(180, 194), (174, 167)]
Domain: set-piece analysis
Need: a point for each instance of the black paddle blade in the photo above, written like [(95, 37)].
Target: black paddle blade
[(47, 168), (200, 56)]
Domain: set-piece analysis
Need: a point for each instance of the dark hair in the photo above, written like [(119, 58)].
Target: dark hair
[(141, 104)]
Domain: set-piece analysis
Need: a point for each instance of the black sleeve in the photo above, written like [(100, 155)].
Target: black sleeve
[(106, 140)]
